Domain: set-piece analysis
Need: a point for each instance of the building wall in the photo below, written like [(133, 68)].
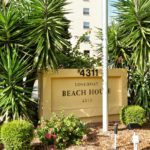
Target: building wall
[(77, 19)]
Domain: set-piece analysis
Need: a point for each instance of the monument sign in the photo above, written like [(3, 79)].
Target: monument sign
[(80, 92)]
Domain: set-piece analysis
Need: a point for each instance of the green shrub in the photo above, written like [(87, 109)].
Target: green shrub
[(68, 130), (133, 114), (17, 135), (47, 135), (0, 134)]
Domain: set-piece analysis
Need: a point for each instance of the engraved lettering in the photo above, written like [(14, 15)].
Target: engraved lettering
[(74, 93)]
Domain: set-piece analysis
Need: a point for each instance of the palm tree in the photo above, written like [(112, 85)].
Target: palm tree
[(131, 36), (38, 28), (11, 28), (134, 23), (47, 26), (119, 53), (35, 30), (14, 94)]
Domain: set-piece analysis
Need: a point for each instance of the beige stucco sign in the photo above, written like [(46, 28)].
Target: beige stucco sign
[(80, 92)]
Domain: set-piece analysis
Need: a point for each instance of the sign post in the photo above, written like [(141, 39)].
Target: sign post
[(104, 67)]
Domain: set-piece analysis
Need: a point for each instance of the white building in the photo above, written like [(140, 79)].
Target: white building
[(85, 15)]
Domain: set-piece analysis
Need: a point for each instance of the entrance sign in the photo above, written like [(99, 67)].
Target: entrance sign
[(80, 92)]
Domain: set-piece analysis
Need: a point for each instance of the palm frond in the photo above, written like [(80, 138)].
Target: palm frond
[(14, 94), (47, 25), (133, 18)]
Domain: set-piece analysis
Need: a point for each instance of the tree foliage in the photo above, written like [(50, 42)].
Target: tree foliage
[(134, 22), (119, 53), (129, 47), (72, 58), (31, 33), (15, 99)]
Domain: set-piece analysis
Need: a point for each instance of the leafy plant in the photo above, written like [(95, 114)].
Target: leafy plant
[(133, 20), (31, 32), (75, 59), (47, 24), (133, 114), (15, 98), (129, 47), (69, 129), (72, 58), (119, 52), (139, 88), (0, 134), (17, 135), (47, 135)]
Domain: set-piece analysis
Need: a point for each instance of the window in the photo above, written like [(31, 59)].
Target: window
[(86, 11), (86, 25), (87, 38), (86, 53)]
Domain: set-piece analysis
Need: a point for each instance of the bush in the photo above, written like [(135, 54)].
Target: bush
[(17, 135), (133, 114), (67, 130), (47, 135), (0, 134)]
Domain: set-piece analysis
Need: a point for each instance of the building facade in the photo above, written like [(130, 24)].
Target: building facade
[(85, 17)]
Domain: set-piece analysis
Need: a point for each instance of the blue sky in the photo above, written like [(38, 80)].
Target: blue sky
[(110, 8)]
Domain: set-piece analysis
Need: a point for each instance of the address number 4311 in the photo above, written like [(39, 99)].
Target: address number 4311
[(88, 72)]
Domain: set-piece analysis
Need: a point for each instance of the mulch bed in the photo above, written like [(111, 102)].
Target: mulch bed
[(97, 140)]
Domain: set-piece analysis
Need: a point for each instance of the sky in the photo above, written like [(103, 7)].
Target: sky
[(111, 9)]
